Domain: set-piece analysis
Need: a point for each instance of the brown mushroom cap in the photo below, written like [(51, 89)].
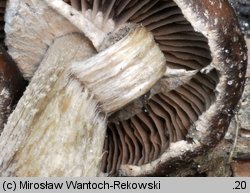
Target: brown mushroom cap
[(12, 86)]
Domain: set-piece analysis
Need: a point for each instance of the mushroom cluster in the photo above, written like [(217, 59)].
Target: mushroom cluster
[(187, 108)]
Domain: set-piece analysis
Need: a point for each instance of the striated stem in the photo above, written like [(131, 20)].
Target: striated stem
[(124, 71)]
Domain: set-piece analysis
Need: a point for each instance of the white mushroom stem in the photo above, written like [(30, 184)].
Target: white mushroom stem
[(56, 128), (131, 67)]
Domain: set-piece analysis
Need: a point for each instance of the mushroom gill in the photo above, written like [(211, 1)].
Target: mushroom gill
[(142, 131)]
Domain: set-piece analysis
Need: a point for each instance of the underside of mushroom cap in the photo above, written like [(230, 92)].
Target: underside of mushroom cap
[(184, 114), (191, 36), (148, 129)]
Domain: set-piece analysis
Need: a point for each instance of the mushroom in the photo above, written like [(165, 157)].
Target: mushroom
[(186, 113)]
